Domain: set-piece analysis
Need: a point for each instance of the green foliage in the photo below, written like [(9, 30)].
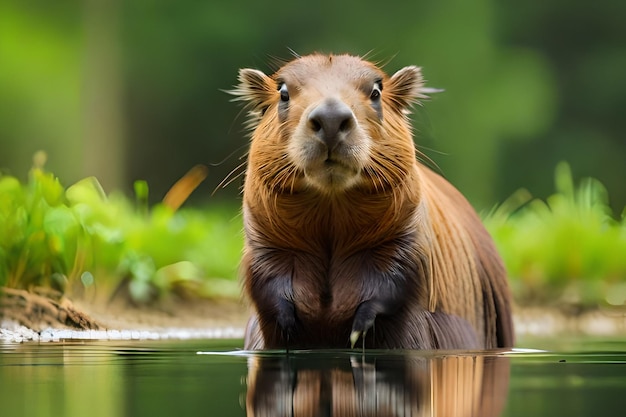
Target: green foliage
[(75, 238), (566, 249)]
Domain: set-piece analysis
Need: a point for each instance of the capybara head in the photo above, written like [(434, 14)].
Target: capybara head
[(330, 123)]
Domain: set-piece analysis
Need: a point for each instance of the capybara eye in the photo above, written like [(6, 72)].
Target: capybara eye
[(376, 90), (284, 93)]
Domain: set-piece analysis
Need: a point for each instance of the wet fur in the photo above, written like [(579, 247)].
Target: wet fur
[(395, 254)]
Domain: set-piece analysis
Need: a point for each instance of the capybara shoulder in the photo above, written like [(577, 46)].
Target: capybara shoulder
[(348, 238)]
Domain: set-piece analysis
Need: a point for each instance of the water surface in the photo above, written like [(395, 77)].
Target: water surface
[(213, 378)]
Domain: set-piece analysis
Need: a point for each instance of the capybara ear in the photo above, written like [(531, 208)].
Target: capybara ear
[(406, 87), (256, 89)]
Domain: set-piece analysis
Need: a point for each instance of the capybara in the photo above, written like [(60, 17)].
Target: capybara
[(349, 239)]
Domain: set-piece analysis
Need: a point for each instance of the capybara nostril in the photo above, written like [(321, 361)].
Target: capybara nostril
[(329, 119)]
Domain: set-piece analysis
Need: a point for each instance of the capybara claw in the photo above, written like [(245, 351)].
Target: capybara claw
[(354, 337), (286, 318)]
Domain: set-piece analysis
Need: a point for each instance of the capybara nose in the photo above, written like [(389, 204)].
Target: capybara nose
[(329, 120)]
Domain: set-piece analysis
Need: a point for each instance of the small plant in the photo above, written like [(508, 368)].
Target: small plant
[(568, 249), (79, 239)]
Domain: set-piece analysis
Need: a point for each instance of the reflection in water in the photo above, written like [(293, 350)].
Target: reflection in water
[(57, 380), (354, 385), (169, 378)]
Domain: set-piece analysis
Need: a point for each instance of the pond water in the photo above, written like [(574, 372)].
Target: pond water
[(213, 378)]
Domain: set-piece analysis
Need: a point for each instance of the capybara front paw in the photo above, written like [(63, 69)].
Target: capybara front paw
[(363, 321), (286, 318)]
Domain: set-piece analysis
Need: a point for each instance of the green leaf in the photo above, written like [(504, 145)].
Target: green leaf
[(60, 221), (87, 190), (48, 186), (141, 195)]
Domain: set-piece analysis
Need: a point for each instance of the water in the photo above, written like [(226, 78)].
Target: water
[(573, 378)]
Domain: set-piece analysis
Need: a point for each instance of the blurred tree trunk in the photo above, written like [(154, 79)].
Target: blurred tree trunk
[(104, 149)]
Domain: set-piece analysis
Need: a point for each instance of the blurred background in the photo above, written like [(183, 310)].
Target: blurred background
[(127, 90)]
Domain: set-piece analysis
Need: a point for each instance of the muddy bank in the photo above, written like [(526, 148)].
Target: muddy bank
[(36, 316)]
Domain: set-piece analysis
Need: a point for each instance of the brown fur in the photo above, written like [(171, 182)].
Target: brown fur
[(347, 235)]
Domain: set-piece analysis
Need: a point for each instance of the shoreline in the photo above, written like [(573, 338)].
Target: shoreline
[(226, 320), (12, 332)]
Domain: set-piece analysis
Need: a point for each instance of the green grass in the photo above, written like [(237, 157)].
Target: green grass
[(79, 239), (568, 249)]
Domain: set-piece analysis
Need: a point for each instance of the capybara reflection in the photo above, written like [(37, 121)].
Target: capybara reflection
[(390, 385), (349, 239)]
